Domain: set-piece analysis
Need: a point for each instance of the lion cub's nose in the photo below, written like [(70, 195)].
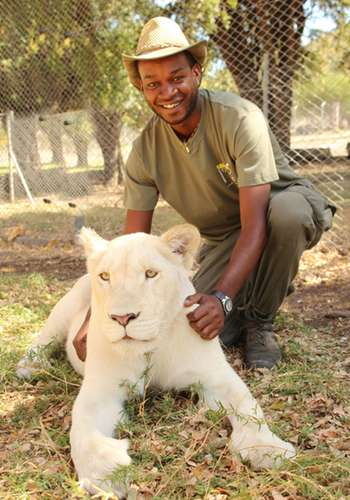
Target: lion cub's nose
[(124, 319)]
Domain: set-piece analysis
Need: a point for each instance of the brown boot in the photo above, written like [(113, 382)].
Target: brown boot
[(260, 347), (231, 333)]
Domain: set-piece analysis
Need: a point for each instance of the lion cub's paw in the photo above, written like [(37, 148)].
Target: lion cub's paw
[(95, 467), (267, 453), (106, 487), (24, 372), (34, 360), (26, 368)]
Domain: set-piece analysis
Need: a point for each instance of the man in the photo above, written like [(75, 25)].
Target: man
[(213, 158)]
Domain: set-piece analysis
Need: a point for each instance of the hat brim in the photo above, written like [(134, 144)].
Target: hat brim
[(198, 51)]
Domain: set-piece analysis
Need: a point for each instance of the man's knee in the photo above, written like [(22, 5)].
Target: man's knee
[(290, 218)]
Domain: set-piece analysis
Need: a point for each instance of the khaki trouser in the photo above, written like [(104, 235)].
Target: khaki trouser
[(296, 220)]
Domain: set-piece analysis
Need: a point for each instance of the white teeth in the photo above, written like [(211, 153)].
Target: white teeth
[(171, 106)]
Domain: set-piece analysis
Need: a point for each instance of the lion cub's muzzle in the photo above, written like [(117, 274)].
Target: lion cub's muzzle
[(124, 319)]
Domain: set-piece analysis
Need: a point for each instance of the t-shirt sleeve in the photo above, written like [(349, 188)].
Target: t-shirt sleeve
[(141, 192), (254, 158)]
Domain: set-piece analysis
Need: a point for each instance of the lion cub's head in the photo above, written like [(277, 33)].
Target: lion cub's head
[(139, 281)]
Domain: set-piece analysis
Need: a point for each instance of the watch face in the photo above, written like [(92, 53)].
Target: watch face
[(226, 301), (228, 305)]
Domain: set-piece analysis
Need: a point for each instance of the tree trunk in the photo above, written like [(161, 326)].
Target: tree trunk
[(256, 28), (25, 145), (284, 45), (108, 126), (81, 143), (54, 130), (241, 53), (81, 146)]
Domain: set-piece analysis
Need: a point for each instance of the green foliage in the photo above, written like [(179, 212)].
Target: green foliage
[(218, 77), (65, 55), (43, 61), (325, 75)]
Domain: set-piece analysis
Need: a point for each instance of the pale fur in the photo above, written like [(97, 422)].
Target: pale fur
[(178, 356)]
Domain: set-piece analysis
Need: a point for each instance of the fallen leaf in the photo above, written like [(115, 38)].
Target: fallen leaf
[(7, 269), (337, 314), (200, 472), (13, 232), (191, 481), (184, 434), (236, 465), (278, 405), (54, 243), (339, 410), (276, 495), (325, 434), (217, 443), (343, 445)]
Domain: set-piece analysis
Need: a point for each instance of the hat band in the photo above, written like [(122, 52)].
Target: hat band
[(161, 46)]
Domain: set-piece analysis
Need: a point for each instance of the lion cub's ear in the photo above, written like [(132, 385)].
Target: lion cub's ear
[(91, 241), (184, 240)]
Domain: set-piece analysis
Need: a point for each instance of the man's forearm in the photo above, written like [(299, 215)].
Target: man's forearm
[(244, 259), (138, 221)]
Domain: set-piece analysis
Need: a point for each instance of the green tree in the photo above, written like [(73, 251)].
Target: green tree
[(326, 68), (66, 55), (43, 68), (60, 56), (261, 44)]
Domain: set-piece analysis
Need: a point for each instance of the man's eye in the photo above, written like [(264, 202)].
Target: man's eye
[(151, 85), (104, 276), (178, 78), (150, 273)]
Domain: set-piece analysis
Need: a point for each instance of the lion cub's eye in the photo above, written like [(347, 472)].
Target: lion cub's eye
[(104, 276), (150, 273)]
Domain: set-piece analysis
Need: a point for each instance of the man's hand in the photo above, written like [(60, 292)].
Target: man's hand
[(80, 339), (208, 318)]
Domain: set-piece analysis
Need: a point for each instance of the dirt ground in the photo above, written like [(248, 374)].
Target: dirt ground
[(322, 287)]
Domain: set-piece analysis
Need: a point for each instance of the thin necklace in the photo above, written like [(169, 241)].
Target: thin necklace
[(191, 135), (186, 141)]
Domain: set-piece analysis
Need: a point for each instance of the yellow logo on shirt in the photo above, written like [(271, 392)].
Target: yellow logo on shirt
[(226, 174)]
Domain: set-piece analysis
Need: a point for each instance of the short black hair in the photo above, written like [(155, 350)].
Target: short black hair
[(191, 60)]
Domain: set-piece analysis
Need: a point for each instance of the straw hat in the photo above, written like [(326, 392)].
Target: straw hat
[(161, 37)]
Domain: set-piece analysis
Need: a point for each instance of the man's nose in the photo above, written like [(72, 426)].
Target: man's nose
[(167, 90), (123, 319)]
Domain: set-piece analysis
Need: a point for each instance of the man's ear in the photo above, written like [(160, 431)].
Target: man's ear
[(183, 240), (198, 73), (140, 86), (92, 242)]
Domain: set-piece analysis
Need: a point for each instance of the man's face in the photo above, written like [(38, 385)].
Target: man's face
[(170, 87)]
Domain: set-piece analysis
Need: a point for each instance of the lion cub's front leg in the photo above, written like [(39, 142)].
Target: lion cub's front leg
[(94, 451), (251, 436), (68, 314)]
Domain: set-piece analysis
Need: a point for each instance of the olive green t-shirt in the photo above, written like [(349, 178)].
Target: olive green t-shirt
[(231, 148)]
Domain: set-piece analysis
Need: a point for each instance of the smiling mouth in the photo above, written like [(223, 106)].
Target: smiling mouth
[(170, 106)]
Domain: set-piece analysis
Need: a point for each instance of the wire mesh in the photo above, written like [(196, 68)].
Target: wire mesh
[(69, 114)]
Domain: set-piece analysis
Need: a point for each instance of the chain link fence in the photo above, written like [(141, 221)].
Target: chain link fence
[(68, 113)]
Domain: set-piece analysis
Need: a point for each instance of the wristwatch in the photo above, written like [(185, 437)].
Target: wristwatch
[(225, 300)]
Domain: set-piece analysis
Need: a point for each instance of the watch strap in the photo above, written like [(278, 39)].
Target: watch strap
[(225, 301)]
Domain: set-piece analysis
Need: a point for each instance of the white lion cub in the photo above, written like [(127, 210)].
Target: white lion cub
[(138, 286)]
